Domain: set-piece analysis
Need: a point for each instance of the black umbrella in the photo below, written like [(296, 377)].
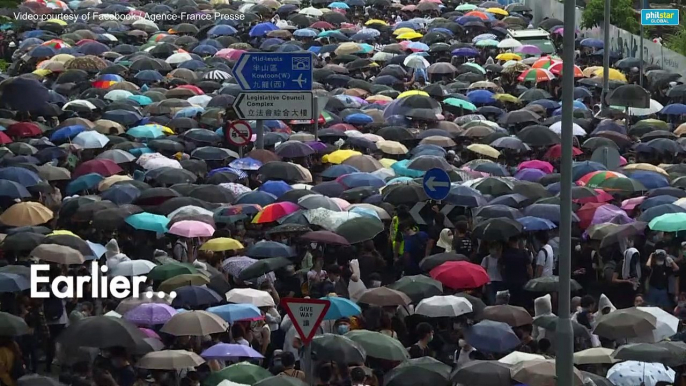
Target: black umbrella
[(548, 284), (482, 373), (337, 348), (262, 267), (269, 249), (629, 95), (538, 135), (101, 332), (497, 229)]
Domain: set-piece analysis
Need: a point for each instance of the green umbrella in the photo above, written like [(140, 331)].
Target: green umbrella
[(360, 229), (169, 270), (456, 102), (243, 372), (622, 185), (465, 7), (379, 345), (11, 325), (418, 287), (420, 371), (669, 222), (280, 380)]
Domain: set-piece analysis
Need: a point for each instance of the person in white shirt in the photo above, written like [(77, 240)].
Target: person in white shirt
[(463, 355), (545, 259)]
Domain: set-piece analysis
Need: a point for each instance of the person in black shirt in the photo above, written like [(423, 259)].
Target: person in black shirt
[(462, 241), (425, 334), (516, 270), (660, 267)]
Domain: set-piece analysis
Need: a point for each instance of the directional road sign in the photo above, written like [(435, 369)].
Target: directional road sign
[(436, 184), (274, 71), (274, 105), (306, 315), (239, 133)]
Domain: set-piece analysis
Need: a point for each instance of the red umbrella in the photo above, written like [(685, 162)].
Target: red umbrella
[(555, 152), (4, 139), (460, 275), (587, 212), (23, 129), (104, 167), (324, 237), (195, 89), (322, 25)]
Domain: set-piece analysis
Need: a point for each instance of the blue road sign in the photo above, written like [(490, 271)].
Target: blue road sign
[(274, 71), (436, 184)]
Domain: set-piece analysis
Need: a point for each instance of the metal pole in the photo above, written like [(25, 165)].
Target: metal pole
[(315, 109), (310, 369), (640, 72), (259, 140), (606, 52), (564, 339)]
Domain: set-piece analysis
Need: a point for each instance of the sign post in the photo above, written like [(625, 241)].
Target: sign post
[(238, 133), (436, 184), (278, 85), (306, 316)]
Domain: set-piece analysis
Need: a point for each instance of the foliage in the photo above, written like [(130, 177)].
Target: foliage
[(677, 42), (621, 15), (3, 65)]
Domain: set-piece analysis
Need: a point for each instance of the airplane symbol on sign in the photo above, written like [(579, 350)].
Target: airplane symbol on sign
[(300, 81)]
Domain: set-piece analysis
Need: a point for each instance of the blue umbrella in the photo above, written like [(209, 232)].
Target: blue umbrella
[(580, 169), (12, 189), (30, 42), (189, 112), (465, 51), (591, 42), (24, 94), (10, 282), (418, 46), (271, 42), (329, 189), (193, 65), (657, 201), (245, 164), (84, 182), (657, 211), (341, 308), (406, 24), (356, 180), (124, 117), (145, 132), (148, 222), (42, 52), (277, 188), (651, 180), (262, 29), (148, 76), (532, 224), (289, 48), (401, 169), (121, 194), (267, 249), (224, 30), (362, 36), (491, 337), (336, 171), (193, 296), (674, 109), (514, 200), (546, 103), (305, 33), (140, 99), (22, 176), (235, 312), (339, 5), (256, 197), (205, 50), (481, 97), (238, 173), (211, 42)]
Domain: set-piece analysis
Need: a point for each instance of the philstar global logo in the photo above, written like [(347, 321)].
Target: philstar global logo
[(664, 17)]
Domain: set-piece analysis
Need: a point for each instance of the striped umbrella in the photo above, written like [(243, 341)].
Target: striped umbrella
[(536, 75)]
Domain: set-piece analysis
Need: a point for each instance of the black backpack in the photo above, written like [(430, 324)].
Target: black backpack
[(53, 309)]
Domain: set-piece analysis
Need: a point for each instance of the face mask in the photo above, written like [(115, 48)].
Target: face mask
[(376, 283), (457, 326), (343, 329), (659, 262), (431, 337)]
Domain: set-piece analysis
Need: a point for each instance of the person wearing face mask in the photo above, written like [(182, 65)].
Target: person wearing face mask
[(659, 267), (464, 354), (425, 334), (342, 326)]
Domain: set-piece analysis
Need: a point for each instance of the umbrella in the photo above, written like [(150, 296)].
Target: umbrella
[(149, 314), (243, 373), (338, 348), (234, 312), (443, 306), (460, 274), (379, 345), (512, 315), (424, 370), (548, 284), (491, 337), (541, 373), (360, 229), (418, 287), (482, 373), (250, 296), (194, 323), (225, 351), (169, 360), (101, 332), (383, 297), (626, 323), (640, 373), (595, 355), (341, 308)]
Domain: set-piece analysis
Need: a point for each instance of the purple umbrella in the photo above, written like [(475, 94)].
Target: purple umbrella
[(150, 314), (230, 351), (317, 146), (528, 50), (528, 174), (610, 214)]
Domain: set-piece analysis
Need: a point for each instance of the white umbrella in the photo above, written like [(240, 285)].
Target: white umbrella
[(132, 268), (577, 130), (80, 102), (250, 296), (509, 44), (517, 356), (416, 61), (311, 11), (666, 326), (595, 355), (226, 382), (632, 373), (91, 140), (443, 306), (190, 210), (327, 218), (654, 108), (179, 57)]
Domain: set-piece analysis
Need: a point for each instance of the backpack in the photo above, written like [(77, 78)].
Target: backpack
[(53, 309)]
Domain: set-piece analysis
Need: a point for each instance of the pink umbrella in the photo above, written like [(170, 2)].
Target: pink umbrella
[(229, 53), (632, 203), (190, 228), (343, 204), (149, 333), (543, 166)]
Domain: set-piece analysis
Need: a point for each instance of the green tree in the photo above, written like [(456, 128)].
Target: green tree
[(621, 15), (677, 41)]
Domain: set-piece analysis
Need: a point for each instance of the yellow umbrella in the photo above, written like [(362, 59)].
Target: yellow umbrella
[(164, 129), (681, 130), (62, 232), (508, 56), (613, 74), (42, 72), (339, 156), (659, 124), (497, 11), (26, 214), (403, 30), (392, 147), (486, 150), (409, 35), (387, 162), (589, 71), (111, 180), (375, 21), (506, 98), (57, 21), (62, 58), (412, 92), (222, 244), (646, 167)]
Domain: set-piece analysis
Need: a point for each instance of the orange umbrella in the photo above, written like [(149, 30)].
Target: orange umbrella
[(545, 62), (556, 69), (479, 14)]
